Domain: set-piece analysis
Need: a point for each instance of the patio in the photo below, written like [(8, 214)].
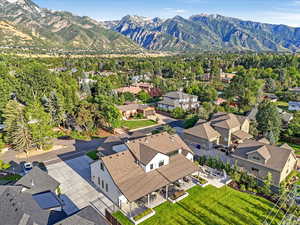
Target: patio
[(213, 176), (157, 197)]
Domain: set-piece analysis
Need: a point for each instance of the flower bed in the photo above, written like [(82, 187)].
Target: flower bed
[(143, 216), (200, 180), (177, 196)]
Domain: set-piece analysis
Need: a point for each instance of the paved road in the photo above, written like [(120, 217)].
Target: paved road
[(72, 149)]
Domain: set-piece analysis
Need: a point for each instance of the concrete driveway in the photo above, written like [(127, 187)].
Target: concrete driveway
[(76, 187)]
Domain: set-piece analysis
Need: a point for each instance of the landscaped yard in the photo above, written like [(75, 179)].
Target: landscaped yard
[(211, 206), (134, 124), (10, 178)]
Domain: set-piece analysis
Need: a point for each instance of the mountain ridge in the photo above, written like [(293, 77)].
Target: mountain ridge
[(59, 29), (208, 32), (37, 27)]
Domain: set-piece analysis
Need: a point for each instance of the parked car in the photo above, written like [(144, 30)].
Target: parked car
[(27, 167), (41, 165)]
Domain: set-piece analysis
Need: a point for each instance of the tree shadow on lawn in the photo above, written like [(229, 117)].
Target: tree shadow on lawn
[(240, 217), (263, 201), (206, 219), (264, 210)]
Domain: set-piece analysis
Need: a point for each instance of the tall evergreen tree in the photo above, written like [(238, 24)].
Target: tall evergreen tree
[(269, 121)]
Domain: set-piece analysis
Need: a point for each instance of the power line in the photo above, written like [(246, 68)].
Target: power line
[(287, 198)]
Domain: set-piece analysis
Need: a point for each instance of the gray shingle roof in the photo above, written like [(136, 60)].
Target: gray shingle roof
[(37, 181), (86, 216), (19, 208)]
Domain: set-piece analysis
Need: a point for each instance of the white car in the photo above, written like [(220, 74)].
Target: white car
[(27, 167)]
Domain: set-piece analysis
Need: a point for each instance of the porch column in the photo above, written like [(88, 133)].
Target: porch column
[(129, 209), (167, 192), (148, 200)]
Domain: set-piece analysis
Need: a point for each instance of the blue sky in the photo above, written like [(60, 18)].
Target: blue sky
[(270, 11)]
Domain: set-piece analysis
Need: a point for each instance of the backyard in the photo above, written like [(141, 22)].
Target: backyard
[(134, 124), (211, 206)]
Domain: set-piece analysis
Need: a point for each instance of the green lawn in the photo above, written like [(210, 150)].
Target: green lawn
[(10, 178), (93, 155), (211, 206), (134, 124)]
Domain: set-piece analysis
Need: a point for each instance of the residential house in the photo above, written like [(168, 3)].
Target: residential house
[(132, 110), (179, 99), (152, 91), (259, 158), (285, 116), (227, 77), (130, 89), (148, 165), (294, 106), (223, 128), (271, 97), (220, 101), (31, 201)]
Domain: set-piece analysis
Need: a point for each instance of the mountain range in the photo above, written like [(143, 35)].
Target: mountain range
[(25, 24)]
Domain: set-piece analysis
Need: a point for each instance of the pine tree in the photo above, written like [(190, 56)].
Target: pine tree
[(16, 126)]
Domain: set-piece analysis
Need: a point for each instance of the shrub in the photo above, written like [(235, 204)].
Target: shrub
[(178, 113), (243, 187)]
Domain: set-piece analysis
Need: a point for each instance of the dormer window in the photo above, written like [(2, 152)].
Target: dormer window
[(102, 166), (161, 163)]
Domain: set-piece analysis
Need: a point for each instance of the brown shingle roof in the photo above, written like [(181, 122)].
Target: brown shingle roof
[(227, 121), (163, 143), (263, 151), (242, 135), (146, 154), (278, 155), (204, 131), (178, 168), (286, 146), (131, 89), (131, 107)]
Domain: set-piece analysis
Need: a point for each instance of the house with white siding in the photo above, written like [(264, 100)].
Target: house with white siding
[(142, 175)]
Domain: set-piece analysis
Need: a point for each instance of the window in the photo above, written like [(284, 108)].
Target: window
[(255, 169), (99, 181), (151, 166), (161, 163), (102, 184), (256, 158), (102, 166), (106, 187)]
